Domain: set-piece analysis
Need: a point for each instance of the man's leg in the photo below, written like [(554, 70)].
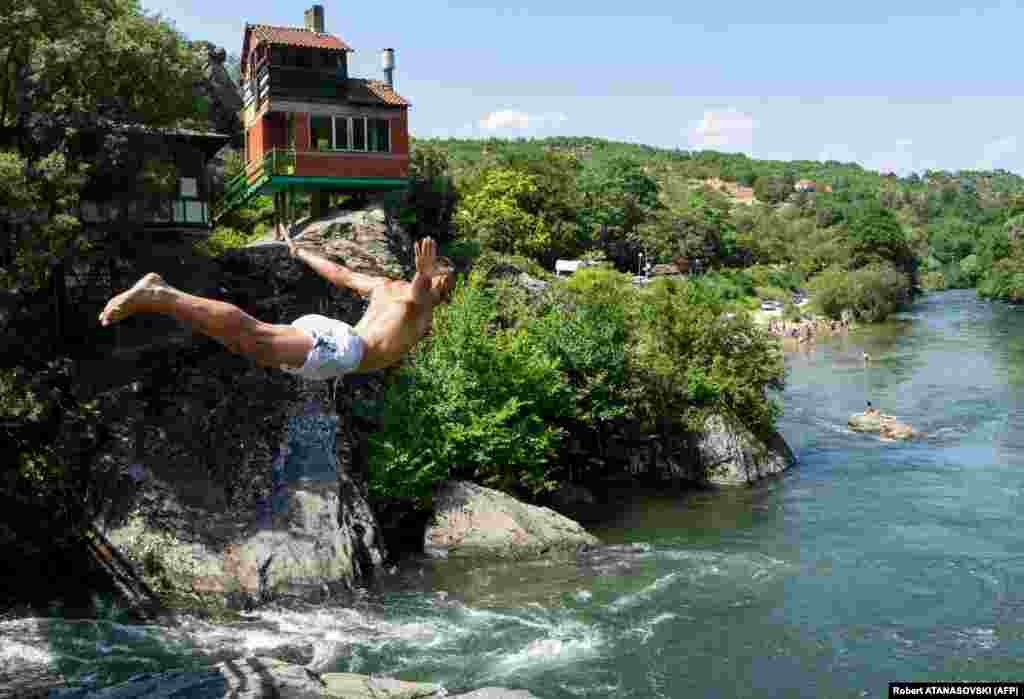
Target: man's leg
[(267, 344)]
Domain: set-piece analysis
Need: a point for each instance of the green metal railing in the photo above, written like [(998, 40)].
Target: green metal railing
[(247, 184)]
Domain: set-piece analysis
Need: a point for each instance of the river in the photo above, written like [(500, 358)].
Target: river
[(868, 563)]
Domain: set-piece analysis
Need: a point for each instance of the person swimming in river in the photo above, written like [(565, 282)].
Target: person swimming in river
[(313, 346)]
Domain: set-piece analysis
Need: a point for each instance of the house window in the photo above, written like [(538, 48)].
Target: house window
[(321, 133), (358, 133), (341, 137), (378, 135), (351, 133), (189, 188)]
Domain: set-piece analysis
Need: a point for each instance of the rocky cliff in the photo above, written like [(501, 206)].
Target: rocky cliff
[(236, 479)]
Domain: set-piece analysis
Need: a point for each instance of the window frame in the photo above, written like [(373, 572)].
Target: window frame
[(349, 128)]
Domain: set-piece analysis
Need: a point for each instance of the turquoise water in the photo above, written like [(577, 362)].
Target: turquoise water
[(868, 563)]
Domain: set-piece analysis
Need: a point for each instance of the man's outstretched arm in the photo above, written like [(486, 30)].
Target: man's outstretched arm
[(339, 275)]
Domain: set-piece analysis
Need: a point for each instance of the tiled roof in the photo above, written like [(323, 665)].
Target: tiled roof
[(374, 92), (296, 36)]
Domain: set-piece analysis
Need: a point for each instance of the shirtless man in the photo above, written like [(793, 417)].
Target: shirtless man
[(313, 346)]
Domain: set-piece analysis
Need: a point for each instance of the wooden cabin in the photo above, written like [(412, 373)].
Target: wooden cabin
[(309, 125), (160, 180)]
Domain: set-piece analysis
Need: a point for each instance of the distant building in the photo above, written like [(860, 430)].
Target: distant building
[(811, 186)]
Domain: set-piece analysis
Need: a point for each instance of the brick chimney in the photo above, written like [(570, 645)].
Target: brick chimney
[(315, 18)]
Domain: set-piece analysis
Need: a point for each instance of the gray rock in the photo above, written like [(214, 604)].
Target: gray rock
[(268, 678), (473, 521), (886, 426), (255, 678), (250, 477), (496, 693), (368, 240), (861, 422), (731, 455), (225, 101)]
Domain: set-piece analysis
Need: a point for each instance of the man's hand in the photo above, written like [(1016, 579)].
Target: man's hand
[(292, 247), (426, 253)]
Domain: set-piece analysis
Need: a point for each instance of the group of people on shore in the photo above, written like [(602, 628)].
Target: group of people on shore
[(807, 329)]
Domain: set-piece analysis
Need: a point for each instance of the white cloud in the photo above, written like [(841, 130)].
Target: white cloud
[(522, 121), (725, 128)]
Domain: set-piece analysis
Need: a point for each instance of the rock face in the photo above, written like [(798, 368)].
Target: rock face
[(222, 94), (267, 678), (473, 521), (886, 426), (242, 480), (724, 453), (367, 240), (732, 455)]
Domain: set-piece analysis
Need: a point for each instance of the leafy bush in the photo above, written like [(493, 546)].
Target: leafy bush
[(872, 293), (223, 239), (1005, 280), (773, 293), (695, 360), (474, 402), (586, 329)]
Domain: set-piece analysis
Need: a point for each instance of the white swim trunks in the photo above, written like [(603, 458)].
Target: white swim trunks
[(337, 349)]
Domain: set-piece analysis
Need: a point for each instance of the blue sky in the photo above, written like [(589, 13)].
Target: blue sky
[(901, 86)]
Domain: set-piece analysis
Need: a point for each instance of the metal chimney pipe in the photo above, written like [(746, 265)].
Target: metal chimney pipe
[(387, 62), (315, 19)]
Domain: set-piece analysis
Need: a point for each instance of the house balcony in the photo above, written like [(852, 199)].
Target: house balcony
[(283, 170)]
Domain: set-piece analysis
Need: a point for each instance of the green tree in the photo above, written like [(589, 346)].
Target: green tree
[(474, 402), (618, 195), (876, 236), (432, 198), (502, 213)]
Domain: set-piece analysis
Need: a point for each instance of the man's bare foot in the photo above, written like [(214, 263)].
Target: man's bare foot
[(145, 292)]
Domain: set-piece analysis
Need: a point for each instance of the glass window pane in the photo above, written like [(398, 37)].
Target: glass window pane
[(379, 135), (341, 133), (320, 132), (359, 133)]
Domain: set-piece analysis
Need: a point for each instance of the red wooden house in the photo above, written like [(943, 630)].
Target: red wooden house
[(309, 125)]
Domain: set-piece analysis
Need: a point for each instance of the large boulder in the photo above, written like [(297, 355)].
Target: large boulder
[(368, 240), (268, 678), (222, 95), (723, 453), (865, 422), (730, 454), (240, 480), (473, 521), (886, 426)]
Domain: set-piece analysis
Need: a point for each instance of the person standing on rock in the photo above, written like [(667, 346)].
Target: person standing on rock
[(313, 346)]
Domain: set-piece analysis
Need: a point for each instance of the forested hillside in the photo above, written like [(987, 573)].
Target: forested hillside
[(556, 197)]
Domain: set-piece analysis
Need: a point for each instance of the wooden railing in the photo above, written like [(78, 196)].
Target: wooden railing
[(246, 184)]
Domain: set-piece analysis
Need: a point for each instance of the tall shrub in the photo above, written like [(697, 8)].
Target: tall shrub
[(475, 401)]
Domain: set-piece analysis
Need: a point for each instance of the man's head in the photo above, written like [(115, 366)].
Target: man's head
[(442, 281)]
